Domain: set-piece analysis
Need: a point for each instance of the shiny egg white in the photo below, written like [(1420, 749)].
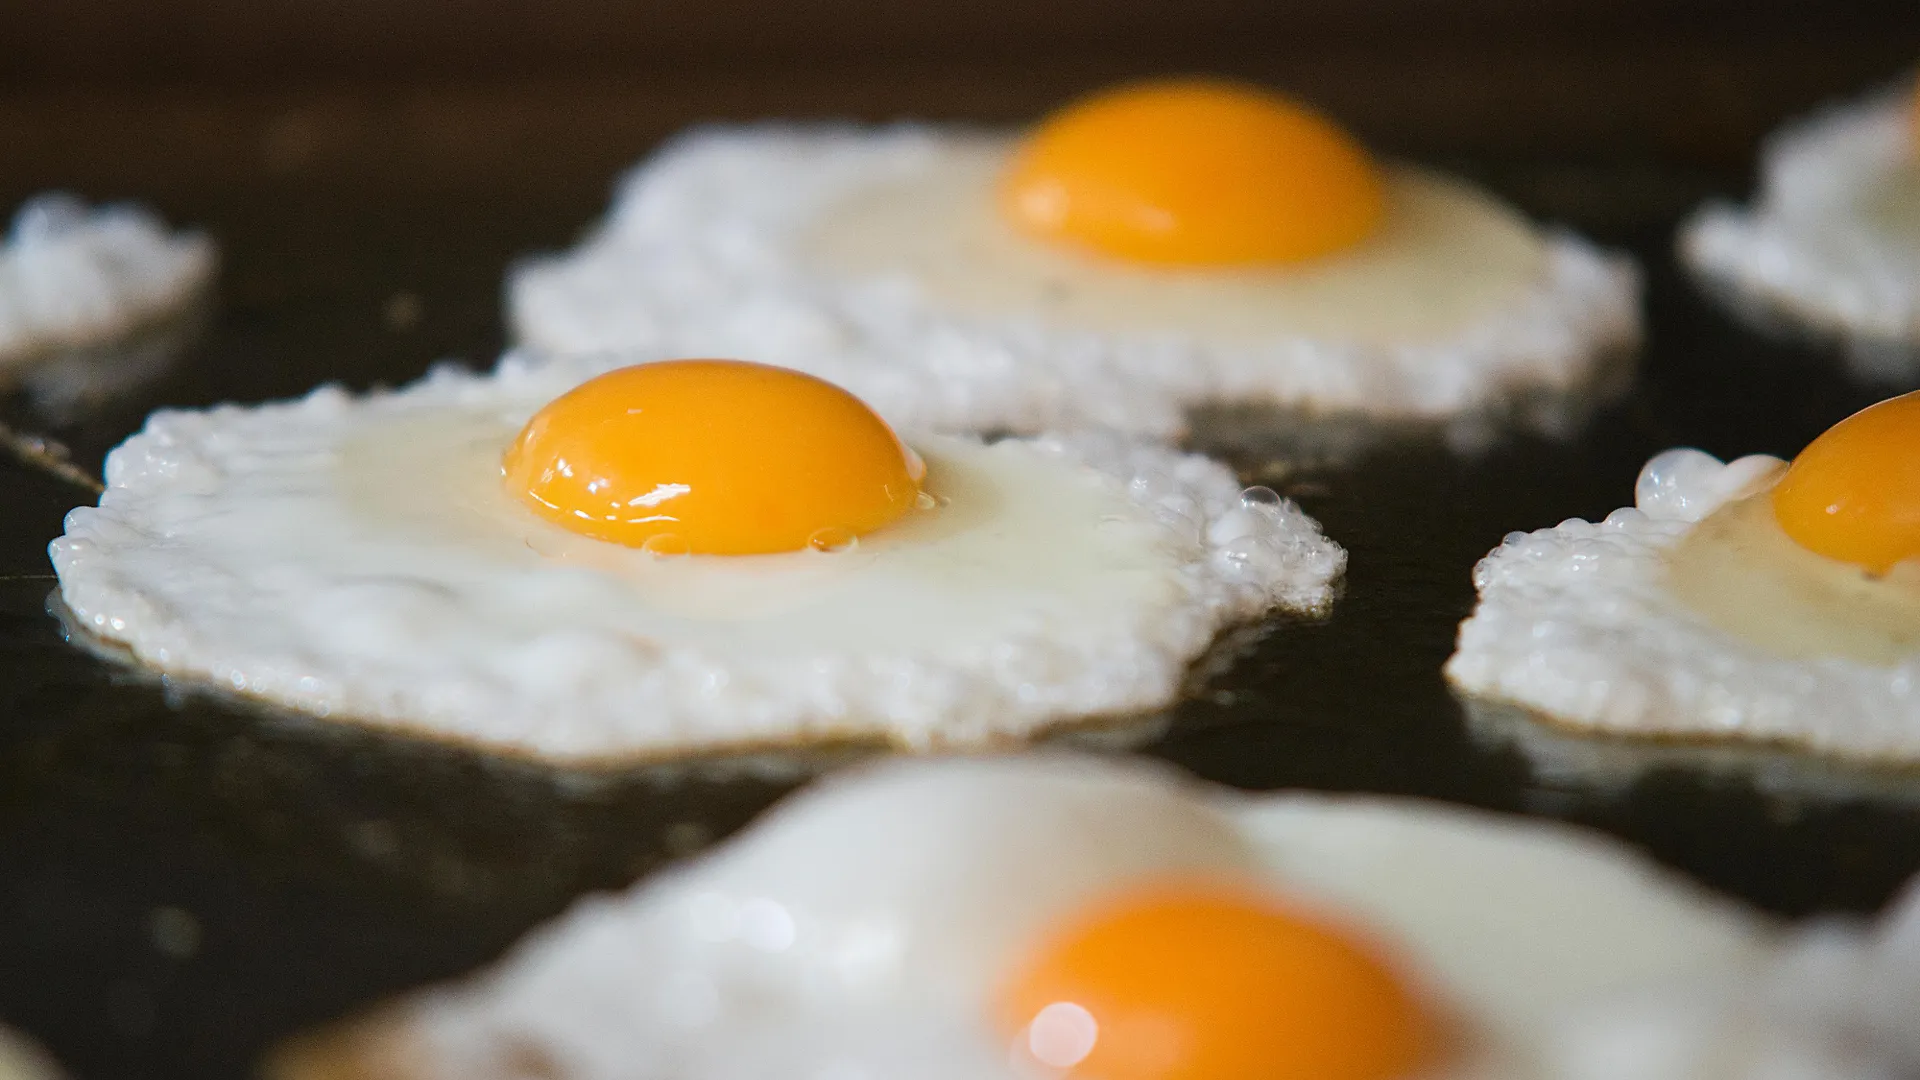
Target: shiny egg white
[(876, 258), (1693, 615), (359, 558), (860, 929), (1831, 241)]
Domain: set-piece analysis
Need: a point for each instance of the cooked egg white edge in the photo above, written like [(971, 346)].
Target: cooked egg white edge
[(877, 910), (306, 552), (715, 243), (73, 276), (1578, 623), (1831, 241)]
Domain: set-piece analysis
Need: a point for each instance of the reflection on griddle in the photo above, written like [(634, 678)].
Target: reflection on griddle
[(1332, 440), (333, 800), (1563, 758), (60, 386)]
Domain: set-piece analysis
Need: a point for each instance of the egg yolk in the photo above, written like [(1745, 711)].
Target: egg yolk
[(1193, 173), (1180, 983), (1854, 493), (712, 457)]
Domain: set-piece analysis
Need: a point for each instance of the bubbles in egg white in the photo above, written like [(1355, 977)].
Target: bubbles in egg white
[(1627, 627), (1831, 242), (359, 558), (875, 259), (72, 276), (858, 930)]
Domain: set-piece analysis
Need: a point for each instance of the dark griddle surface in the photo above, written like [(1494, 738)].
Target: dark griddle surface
[(323, 871)]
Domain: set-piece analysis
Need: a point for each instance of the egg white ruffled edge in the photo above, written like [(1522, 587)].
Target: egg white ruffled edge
[(75, 277), (1245, 560), (1843, 283), (703, 231), (1574, 623)]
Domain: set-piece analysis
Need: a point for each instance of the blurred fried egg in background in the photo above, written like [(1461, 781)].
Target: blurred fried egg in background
[(74, 276), (1055, 916), (22, 1060), (1831, 242), (1145, 250)]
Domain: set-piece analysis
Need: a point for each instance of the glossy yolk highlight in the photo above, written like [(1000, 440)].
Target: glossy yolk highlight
[(713, 457), (1854, 493), (1193, 173), (1185, 983)]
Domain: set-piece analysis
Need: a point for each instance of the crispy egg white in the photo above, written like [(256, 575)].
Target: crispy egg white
[(859, 930), (1692, 614), (72, 277), (359, 557), (1831, 241), (875, 259)]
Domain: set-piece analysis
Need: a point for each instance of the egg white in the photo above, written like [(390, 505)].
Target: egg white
[(20, 1059), (859, 929), (1613, 627), (1831, 242), (73, 277), (359, 558), (875, 258)]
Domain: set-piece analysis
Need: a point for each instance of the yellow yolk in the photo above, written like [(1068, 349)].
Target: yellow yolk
[(1854, 493), (1193, 173), (1185, 983), (712, 457)]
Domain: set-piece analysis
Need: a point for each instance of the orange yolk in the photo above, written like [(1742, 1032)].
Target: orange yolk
[(1195, 173), (712, 457), (1185, 983), (1854, 493)]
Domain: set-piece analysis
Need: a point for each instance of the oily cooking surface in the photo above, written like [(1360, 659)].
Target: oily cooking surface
[(181, 883)]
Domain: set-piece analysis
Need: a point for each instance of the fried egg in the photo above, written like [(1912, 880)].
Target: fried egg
[(1141, 252), (1750, 600), (73, 277), (1053, 916), (670, 558), (1831, 242)]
